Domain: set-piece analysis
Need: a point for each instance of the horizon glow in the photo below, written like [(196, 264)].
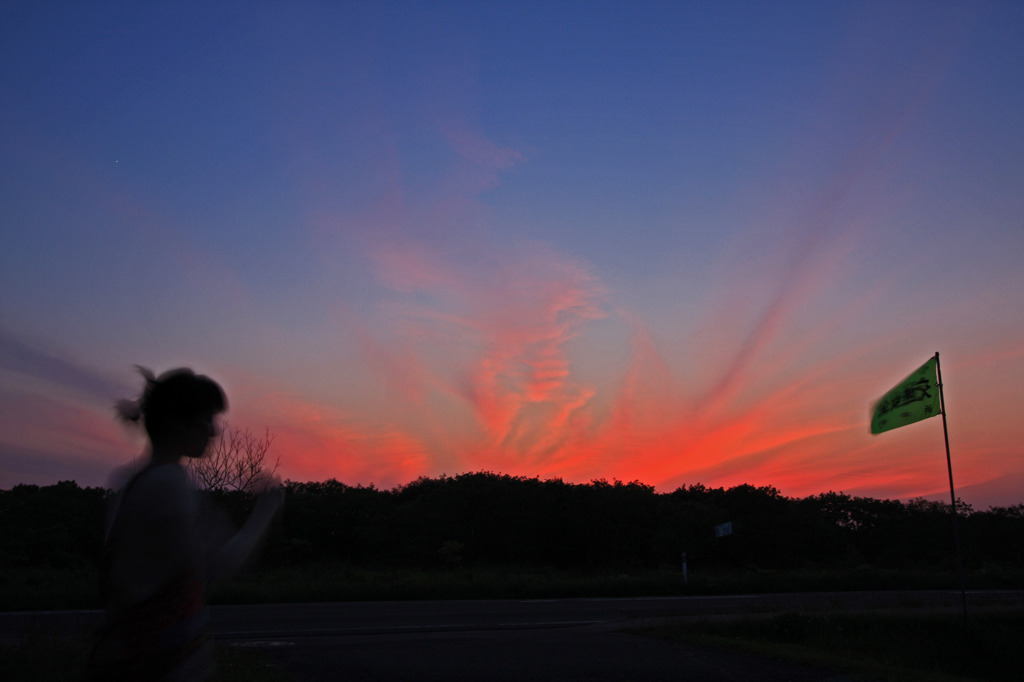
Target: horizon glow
[(676, 243)]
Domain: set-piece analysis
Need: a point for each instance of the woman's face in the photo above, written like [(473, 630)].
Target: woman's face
[(197, 433)]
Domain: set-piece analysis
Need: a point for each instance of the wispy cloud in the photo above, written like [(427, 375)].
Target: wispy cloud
[(478, 149), (37, 361), (497, 334), (47, 433)]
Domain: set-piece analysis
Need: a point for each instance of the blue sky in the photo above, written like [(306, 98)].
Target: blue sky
[(674, 242)]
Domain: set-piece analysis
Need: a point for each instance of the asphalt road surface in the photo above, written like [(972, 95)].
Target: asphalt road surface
[(580, 653), (499, 640)]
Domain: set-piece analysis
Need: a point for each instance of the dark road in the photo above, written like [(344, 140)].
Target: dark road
[(387, 618), (590, 653)]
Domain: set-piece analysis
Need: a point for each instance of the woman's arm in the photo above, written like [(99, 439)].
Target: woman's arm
[(226, 560)]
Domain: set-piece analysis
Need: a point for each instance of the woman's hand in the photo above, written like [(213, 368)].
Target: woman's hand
[(269, 494), (234, 553)]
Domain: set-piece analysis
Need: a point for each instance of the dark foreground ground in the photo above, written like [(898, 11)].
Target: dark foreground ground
[(495, 641)]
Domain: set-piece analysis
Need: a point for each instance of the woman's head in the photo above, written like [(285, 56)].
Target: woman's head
[(175, 406)]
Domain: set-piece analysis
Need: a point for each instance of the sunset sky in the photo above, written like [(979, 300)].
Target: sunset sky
[(674, 242)]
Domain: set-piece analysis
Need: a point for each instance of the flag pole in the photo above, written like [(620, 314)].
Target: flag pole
[(952, 493)]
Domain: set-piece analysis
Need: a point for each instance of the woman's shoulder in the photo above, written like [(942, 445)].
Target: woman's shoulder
[(162, 477), (164, 486)]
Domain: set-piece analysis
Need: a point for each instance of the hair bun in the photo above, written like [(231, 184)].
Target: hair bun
[(129, 410)]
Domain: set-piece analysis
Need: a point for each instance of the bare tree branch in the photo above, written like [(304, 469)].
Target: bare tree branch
[(236, 460)]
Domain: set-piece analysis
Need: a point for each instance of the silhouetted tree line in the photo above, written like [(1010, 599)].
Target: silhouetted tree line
[(484, 518)]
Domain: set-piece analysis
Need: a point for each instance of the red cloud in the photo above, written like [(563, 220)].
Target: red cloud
[(315, 441)]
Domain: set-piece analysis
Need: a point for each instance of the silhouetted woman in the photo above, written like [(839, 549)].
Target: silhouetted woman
[(157, 559)]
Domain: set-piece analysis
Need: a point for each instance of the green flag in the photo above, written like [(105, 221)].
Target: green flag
[(915, 398)]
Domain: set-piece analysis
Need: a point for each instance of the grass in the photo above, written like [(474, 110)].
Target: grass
[(48, 657), (890, 647), (37, 589), (344, 582), (65, 588), (334, 582)]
